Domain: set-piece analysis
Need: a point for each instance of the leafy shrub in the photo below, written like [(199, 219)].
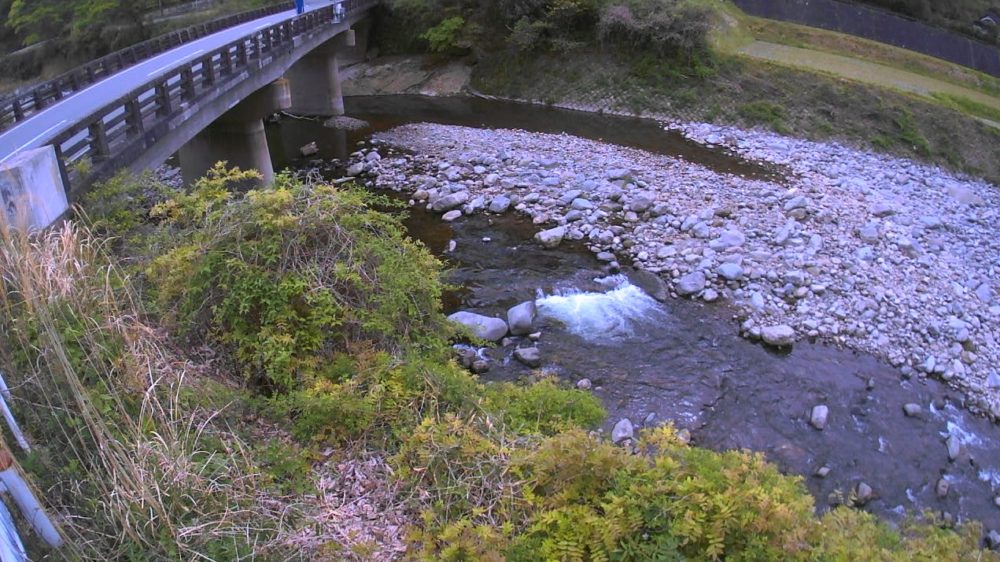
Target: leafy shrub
[(118, 207), (764, 113), (459, 467), (597, 502), (575, 497), (668, 28), (381, 400), (544, 407), (528, 34), (291, 275), (445, 36)]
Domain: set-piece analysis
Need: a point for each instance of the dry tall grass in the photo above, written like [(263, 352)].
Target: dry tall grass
[(127, 470)]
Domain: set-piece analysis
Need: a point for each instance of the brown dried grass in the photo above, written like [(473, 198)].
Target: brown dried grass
[(127, 467)]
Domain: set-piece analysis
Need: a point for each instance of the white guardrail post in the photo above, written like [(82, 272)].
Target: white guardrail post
[(11, 546)]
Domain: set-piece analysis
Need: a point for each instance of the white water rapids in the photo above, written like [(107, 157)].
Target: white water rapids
[(606, 317)]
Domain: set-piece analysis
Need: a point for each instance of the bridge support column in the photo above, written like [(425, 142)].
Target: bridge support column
[(237, 137), (315, 78), (357, 50), (238, 144)]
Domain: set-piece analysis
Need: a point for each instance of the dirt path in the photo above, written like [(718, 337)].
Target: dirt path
[(863, 71)]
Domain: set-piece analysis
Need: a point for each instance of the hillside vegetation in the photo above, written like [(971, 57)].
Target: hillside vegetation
[(680, 59), (67, 33)]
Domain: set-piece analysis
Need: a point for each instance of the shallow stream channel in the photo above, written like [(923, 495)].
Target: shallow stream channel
[(683, 361)]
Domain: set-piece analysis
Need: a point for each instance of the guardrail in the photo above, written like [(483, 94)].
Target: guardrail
[(18, 107), (134, 122)]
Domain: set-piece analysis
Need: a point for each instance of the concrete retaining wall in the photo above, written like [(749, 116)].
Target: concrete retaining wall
[(32, 190)]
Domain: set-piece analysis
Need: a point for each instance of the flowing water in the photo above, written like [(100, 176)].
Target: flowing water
[(682, 361)]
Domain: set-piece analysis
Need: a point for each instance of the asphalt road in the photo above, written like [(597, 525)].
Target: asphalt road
[(37, 130)]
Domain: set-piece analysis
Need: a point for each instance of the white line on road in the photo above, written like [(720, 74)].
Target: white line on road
[(176, 62), (40, 135)]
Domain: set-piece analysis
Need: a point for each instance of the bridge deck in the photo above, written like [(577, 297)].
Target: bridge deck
[(39, 129)]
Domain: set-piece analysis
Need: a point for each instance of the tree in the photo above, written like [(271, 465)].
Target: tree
[(90, 26)]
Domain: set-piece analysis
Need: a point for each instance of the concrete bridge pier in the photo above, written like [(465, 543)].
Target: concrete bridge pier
[(358, 50), (237, 137), (315, 78)]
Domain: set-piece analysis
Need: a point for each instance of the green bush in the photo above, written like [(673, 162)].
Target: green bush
[(666, 28), (597, 502), (446, 36), (120, 206), (764, 113), (289, 276), (459, 468), (545, 407), (381, 401), (575, 497)]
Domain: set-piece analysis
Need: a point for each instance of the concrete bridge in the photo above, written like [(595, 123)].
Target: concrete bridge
[(203, 94)]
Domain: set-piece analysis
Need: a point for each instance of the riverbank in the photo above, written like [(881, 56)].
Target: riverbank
[(738, 91), (865, 251)]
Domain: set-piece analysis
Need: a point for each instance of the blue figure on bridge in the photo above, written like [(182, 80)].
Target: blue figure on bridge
[(300, 6)]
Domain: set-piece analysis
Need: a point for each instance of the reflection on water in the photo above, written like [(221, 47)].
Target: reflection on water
[(385, 112)]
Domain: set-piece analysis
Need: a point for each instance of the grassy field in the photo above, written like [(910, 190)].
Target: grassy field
[(854, 58), (975, 101)]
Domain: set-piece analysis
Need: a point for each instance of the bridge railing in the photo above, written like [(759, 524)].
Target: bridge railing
[(19, 106), (116, 134)]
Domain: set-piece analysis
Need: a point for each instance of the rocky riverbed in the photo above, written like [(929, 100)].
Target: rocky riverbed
[(861, 250)]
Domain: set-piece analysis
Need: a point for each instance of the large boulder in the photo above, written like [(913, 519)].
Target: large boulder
[(819, 416), (450, 201), (499, 204), (730, 271), (778, 336), (623, 430), (650, 283), (528, 356), (552, 237), (521, 318), (483, 327), (691, 284)]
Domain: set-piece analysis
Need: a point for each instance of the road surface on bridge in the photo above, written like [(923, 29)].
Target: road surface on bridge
[(56, 118)]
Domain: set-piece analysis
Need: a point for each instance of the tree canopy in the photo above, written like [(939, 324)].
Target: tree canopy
[(89, 25)]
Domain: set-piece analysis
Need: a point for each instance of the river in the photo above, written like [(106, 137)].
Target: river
[(681, 360)]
